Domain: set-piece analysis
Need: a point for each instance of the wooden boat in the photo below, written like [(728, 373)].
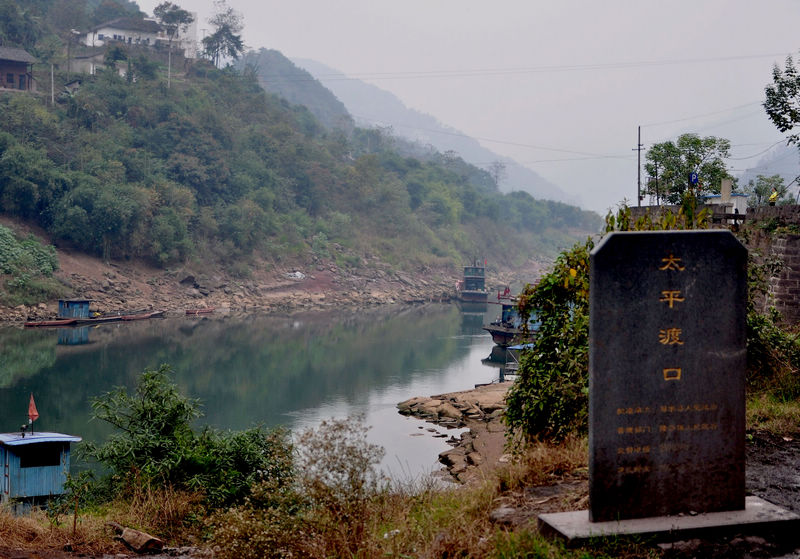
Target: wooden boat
[(207, 310), (143, 316), (52, 323)]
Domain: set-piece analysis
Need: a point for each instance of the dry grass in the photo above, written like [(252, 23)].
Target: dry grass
[(35, 532), (766, 413), (422, 521), (162, 512), (545, 463)]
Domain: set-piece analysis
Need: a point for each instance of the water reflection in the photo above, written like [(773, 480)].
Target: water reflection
[(250, 369)]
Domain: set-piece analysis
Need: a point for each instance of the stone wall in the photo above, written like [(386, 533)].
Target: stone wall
[(773, 234)]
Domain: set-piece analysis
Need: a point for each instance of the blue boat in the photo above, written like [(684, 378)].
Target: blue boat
[(508, 329)]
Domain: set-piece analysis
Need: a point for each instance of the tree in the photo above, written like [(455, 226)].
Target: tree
[(17, 26), (226, 40), (670, 164), (783, 99), (497, 169), (112, 9), (173, 18), (759, 190)]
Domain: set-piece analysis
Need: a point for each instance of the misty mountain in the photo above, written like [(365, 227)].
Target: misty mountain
[(371, 107), (277, 74), (783, 160)]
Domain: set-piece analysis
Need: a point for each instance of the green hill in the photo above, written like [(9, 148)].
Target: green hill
[(217, 170), (279, 75)]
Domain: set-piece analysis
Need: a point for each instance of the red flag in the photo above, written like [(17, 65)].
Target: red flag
[(33, 415)]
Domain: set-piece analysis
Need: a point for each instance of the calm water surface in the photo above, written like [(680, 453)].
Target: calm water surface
[(250, 369)]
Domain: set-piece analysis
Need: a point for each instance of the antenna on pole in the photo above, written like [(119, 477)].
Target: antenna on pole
[(638, 149)]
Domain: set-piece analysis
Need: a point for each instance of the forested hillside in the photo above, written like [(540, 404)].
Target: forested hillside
[(215, 169), (277, 74)]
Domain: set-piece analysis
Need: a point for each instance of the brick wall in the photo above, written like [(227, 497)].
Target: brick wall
[(770, 235)]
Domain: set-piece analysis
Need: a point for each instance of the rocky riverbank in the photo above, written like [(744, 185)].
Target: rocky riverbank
[(125, 287), (284, 286), (480, 410)]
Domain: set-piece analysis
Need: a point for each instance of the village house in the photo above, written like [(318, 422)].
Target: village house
[(16, 69), (131, 31), (142, 33)]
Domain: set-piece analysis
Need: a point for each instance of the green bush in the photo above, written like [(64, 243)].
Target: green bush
[(550, 397), (28, 266), (155, 444), (324, 513)]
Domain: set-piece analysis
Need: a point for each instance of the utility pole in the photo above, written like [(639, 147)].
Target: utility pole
[(638, 149), (658, 194)]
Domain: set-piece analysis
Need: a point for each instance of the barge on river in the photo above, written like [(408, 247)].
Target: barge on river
[(472, 288)]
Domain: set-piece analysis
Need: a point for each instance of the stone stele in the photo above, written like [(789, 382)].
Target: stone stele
[(667, 358)]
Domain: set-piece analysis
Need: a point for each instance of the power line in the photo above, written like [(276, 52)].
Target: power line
[(702, 115), (483, 72), (756, 154), (496, 141)]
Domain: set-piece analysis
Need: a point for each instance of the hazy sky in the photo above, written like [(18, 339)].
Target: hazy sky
[(560, 86)]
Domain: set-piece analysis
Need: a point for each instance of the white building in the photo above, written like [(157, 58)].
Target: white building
[(734, 202), (127, 30), (142, 32)]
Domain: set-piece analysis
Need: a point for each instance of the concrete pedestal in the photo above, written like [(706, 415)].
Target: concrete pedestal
[(759, 516)]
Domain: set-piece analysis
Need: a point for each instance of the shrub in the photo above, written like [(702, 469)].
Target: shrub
[(155, 445), (326, 512), (550, 397), (29, 267)]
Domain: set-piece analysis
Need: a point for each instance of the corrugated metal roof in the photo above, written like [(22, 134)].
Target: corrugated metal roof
[(17, 55), (16, 439)]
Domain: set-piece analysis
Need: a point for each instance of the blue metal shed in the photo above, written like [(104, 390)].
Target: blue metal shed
[(35, 465), (73, 308)]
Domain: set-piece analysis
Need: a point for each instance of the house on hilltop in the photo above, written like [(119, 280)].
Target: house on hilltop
[(128, 30), (142, 33), (16, 69)]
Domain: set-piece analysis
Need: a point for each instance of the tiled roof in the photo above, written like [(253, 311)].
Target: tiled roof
[(17, 55), (130, 24)]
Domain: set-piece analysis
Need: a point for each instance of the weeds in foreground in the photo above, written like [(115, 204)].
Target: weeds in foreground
[(544, 464), (412, 520), (765, 412), (35, 532)]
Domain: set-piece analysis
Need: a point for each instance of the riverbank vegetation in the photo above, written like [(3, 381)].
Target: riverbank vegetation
[(26, 270), (263, 494)]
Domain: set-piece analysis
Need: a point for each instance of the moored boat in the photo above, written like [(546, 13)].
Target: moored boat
[(206, 310), (508, 328), (52, 323), (472, 288)]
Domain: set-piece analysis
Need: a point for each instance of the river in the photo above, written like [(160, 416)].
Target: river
[(260, 370)]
